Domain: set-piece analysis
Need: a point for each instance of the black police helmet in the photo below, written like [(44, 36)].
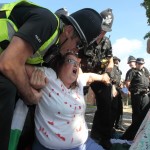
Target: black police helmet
[(87, 23), (108, 18), (131, 59), (140, 60), (116, 58), (62, 11)]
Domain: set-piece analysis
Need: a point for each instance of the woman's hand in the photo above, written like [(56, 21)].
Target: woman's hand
[(105, 78), (38, 79)]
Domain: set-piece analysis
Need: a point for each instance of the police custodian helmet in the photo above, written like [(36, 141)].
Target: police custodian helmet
[(108, 18), (87, 22), (62, 11)]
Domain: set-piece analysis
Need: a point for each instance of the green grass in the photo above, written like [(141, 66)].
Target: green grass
[(90, 106)]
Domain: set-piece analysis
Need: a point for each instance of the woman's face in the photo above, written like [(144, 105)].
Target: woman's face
[(70, 70)]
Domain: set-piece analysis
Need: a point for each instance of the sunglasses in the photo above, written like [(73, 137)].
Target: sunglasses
[(73, 62)]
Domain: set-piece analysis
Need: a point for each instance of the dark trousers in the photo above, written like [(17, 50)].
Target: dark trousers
[(117, 110), (101, 128), (140, 106), (7, 103)]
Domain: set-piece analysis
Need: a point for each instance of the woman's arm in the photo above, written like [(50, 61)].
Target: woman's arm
[(91, 77)]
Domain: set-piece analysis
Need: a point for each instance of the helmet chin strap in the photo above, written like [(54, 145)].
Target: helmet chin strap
[(62, 44)]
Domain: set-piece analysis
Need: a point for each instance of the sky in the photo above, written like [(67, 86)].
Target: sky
[(128, 30)]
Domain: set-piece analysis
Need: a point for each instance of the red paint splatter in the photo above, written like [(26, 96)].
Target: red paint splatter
[(61, 137), (51, 123)]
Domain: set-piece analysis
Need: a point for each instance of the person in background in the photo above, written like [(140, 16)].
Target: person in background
[(116, 104), (59, 116), (31, 34), (140, 102), (132, 64), (124, 94)]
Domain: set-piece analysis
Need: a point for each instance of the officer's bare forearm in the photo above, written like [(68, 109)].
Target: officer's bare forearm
[(12, 65), (20, 78)]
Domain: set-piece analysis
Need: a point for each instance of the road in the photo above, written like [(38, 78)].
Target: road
[(126, 116)]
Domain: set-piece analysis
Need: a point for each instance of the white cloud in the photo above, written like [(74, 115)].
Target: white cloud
[(124, 46)]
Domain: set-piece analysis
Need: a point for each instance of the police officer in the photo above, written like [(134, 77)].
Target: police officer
[(101, 128), (99, 60), (33, 34), (132, 64), (139, 83), (116, 105)]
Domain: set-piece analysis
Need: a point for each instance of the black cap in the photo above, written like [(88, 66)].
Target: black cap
[(131, 59), (62, 11), (116, 58), (108, 18), (87, 23), (140, 60)]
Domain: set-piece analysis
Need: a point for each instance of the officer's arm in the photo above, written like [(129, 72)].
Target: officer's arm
[(110, 65), (12, 65)]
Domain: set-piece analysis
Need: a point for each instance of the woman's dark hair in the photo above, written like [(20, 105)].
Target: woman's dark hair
[(59, 62)]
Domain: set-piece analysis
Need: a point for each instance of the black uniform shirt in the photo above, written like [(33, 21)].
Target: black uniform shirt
[(116, 75), (129, 74), (139, 78), (36, 25)]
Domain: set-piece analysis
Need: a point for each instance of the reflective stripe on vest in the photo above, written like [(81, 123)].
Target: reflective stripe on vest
[(38, 56), (9, 28)]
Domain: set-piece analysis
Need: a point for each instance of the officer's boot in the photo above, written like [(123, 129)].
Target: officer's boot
[(118, 124)]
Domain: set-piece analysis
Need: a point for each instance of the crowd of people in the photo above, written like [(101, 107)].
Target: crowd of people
[(49, 61)]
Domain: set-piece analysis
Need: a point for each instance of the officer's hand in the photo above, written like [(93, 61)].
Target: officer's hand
[(38, 79), (34, 98), (105, 78)]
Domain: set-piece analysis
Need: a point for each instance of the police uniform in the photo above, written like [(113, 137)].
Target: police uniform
[(101, 128), (13, 22), (139, 99), (116, 104)]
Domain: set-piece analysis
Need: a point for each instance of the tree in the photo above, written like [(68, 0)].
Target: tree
[(146, 5)]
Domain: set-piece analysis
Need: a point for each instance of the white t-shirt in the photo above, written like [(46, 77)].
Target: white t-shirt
[(59, 116)]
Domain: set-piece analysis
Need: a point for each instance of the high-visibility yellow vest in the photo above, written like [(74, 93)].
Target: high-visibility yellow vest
[(8, 28)]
